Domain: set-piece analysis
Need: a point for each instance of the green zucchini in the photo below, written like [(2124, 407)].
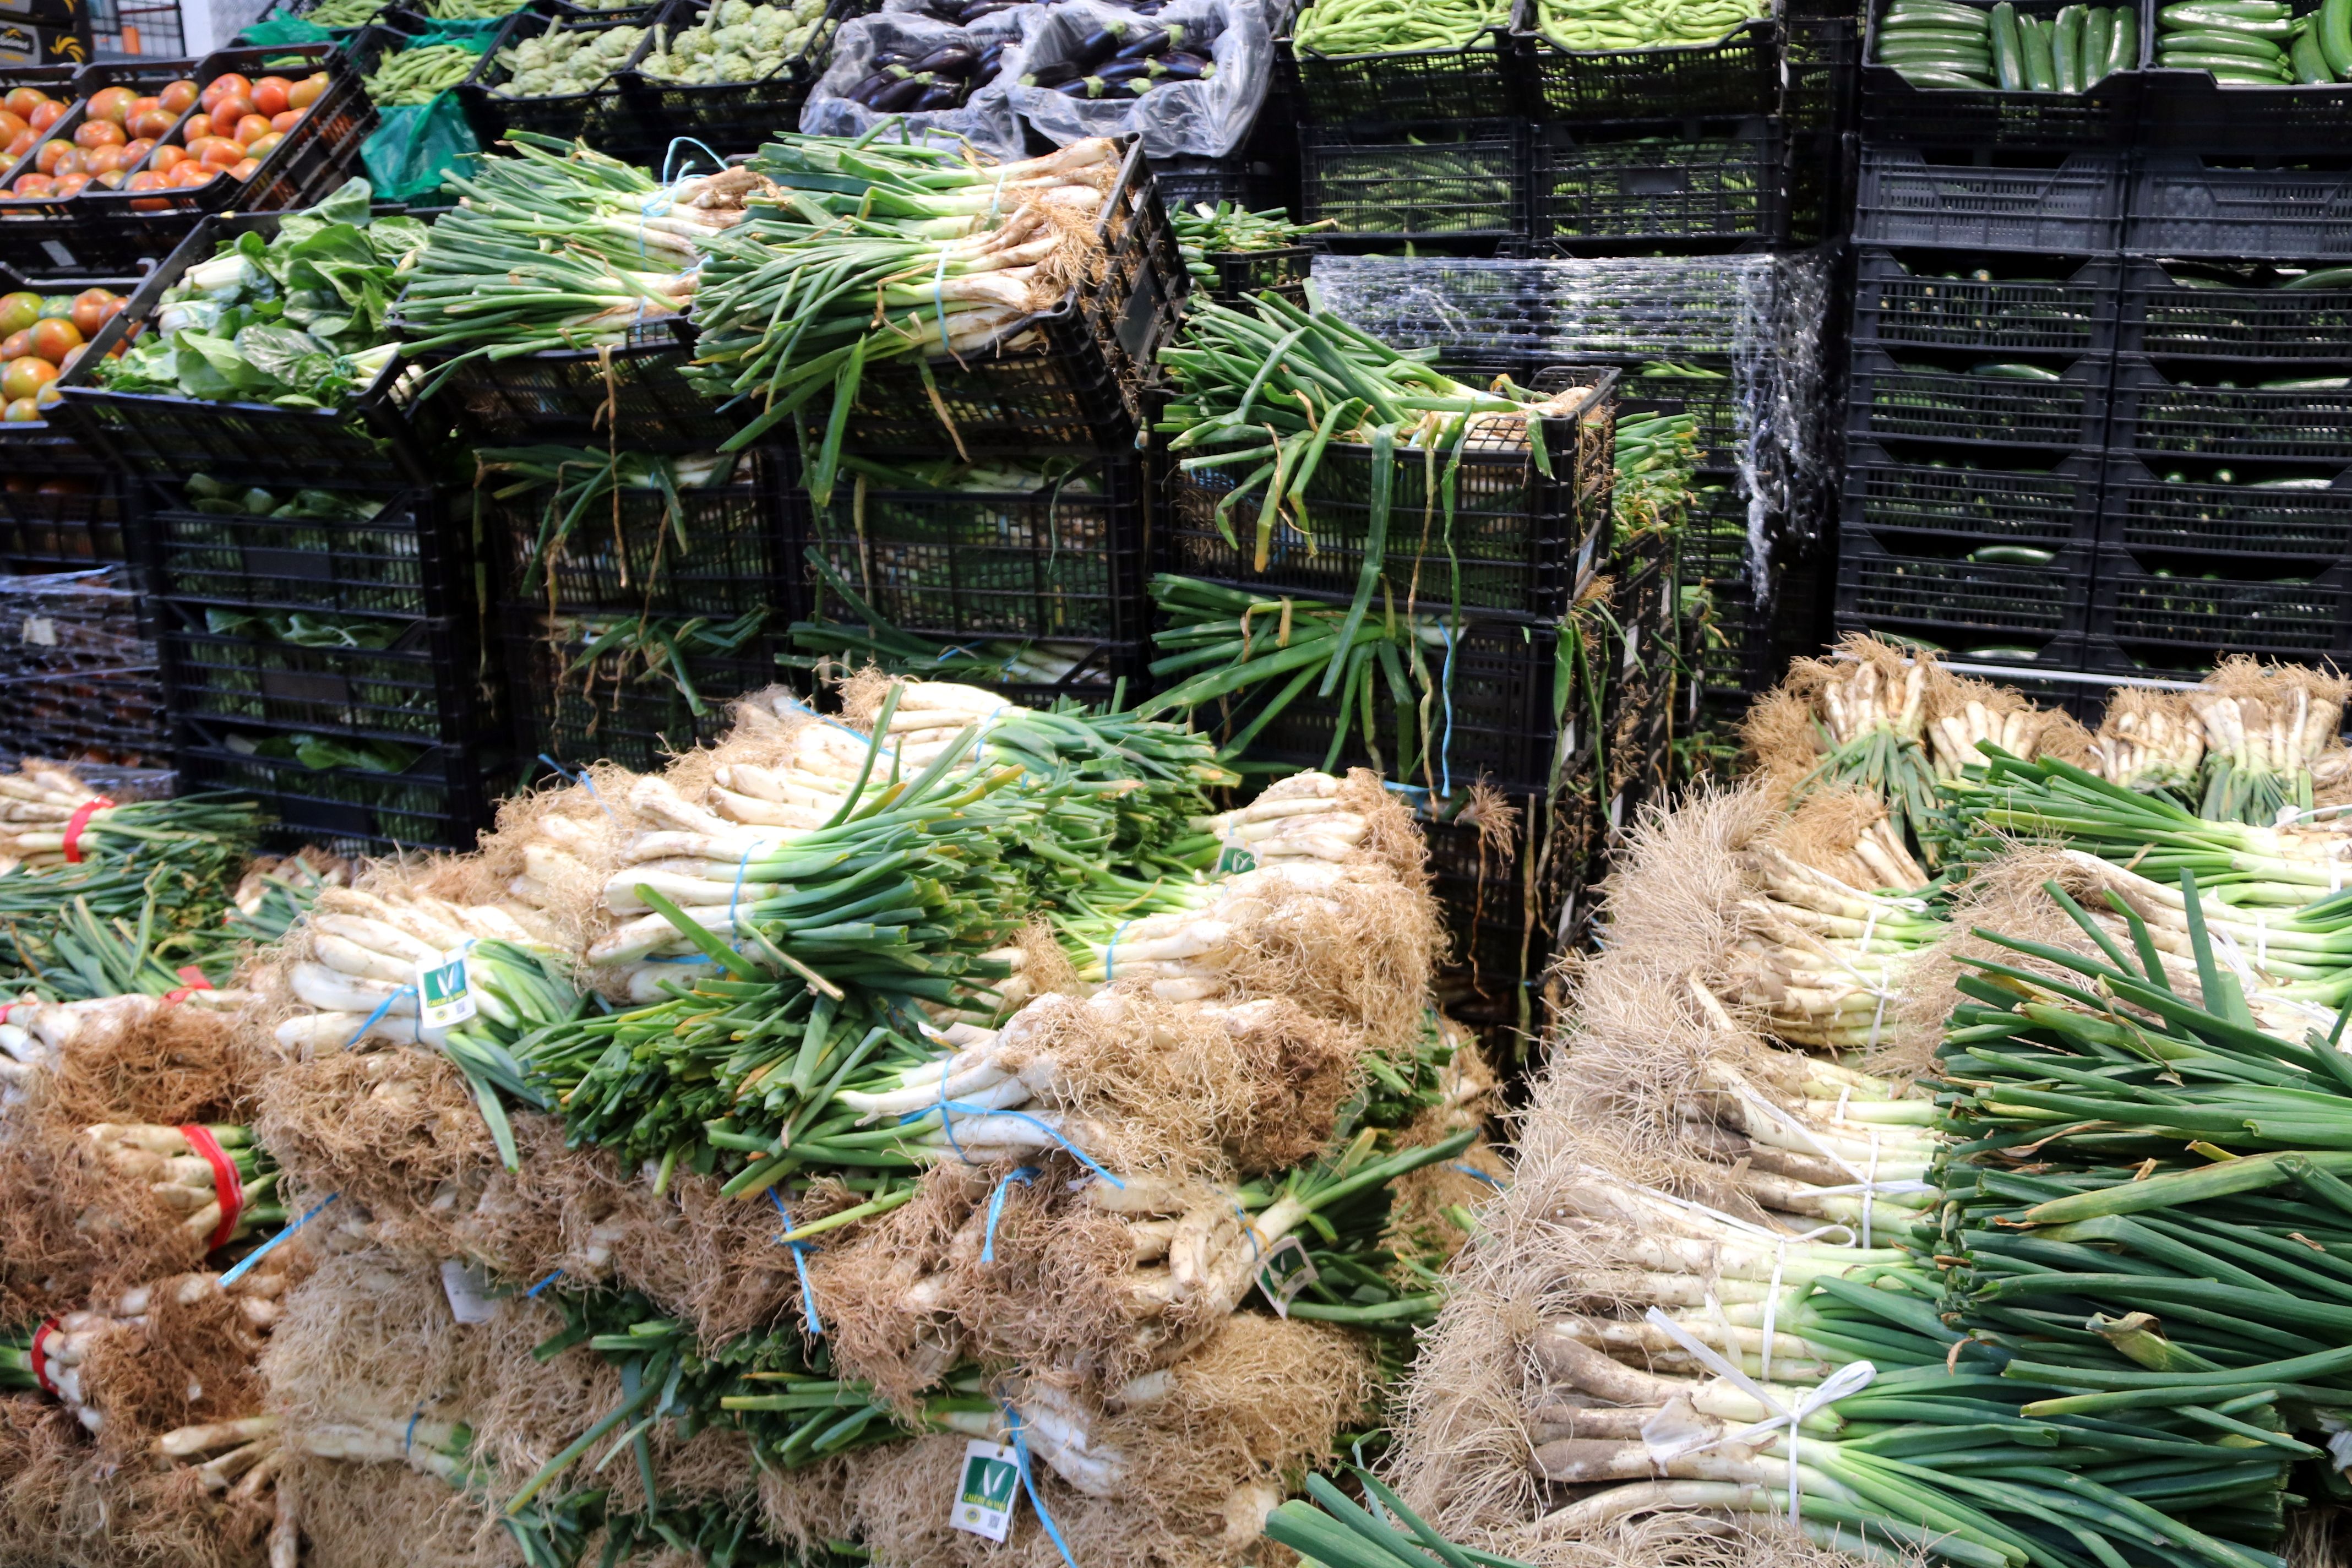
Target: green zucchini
[(2235, 10), (2098, 23), (2010, 555), (2293, 485), (2335, 37), (2206, 14), (2066, 49), (2213, 41), (2325, 278), (2005, 372), (2228, 67), (2040, 76), (1977, 64), (1941, 76), (2008, 54), (2308, 384), (2003, 655), (1913, 10), (2122, 52), (2310, 60)]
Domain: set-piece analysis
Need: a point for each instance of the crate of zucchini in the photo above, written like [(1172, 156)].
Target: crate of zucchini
[(1959, 396), (2257, 76), (1698, 184), (2022, 74)]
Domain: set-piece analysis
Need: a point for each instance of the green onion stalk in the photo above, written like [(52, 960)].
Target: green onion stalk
[(857, 252), (1230, 229), (182, 1176), (566, 481), (1656, 455), (557, 247), (1224, 645), (625, 651), (78, 955), (2262, 749), (17, 1359), (825, 645)]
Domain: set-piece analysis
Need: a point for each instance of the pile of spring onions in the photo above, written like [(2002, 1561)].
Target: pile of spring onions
[(860, 253)]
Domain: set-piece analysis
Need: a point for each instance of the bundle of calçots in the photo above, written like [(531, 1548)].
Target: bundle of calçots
[(1605, 25), (2257, 43), (1389, 27), (1951, 44), (902, 82), (1128, 58)]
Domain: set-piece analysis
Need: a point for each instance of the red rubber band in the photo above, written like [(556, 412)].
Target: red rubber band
[(41, 1358), (225, 1186), (178, 993), (80, 820)]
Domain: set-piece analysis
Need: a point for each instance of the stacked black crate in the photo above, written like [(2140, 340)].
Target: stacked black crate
[(988, 514), (1987, 278), (313, 602), (2226, 526)]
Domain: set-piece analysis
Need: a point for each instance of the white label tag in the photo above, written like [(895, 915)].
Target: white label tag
[(1285, 1272), (468, 1290), (443, 997), (989, 1491), (41, 630)]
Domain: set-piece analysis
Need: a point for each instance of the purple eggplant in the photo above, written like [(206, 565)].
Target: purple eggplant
[(900, 96), (1185, 67), (951, 59), (938, 96), (1054, 73), (1151, 41)]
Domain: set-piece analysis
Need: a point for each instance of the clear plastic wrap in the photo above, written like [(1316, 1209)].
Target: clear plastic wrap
[(1206, 119), (986, 118)]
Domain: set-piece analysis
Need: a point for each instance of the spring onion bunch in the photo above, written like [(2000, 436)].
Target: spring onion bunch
[(646, 649), (180, 1177), (557, 248), (1822, 958), (862, 251), (1656, 455), (1870, 719), (66, 1354), (79, 956)]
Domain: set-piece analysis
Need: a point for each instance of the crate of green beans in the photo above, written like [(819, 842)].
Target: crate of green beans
[(1589, 60), (1395, 62), (2256, 76), (1455, 182), (1707, 181), (2017, 73)]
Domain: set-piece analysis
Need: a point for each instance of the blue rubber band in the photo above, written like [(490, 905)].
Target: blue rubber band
[(376, 1017), (948, 1110), (1249, 1229), (798, 1250), (583, 780), (244, 1265), (947, 1122), (1445, 747), (1023, 1176), (1474, 1171), (1029, 1482), (532, 1294), (409, 1437), (1110, 953)]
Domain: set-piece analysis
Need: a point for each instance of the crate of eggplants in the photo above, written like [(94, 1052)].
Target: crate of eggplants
[(1127, 58), (902, 82)]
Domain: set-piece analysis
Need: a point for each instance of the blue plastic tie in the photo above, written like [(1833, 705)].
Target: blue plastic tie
[(244, 1265), (669, 159), (532, 1294), (585, 783), (1110, 953), (798, 1250), (1029, 1483), (1474, 1171), (1024, 1175), (951, 1109), (409, 1437), (1445, 747), (376, 1017)]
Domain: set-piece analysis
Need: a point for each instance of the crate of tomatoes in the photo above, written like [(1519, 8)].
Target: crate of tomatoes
[(41, 336), (64, 130)]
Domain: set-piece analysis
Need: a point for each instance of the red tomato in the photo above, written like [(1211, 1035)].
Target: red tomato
[(306, 93), (18, 311), (163, 158), (99, 134), (25, 377), (260, 145), (105, 160), (111, 178), (220, 152), (45, 114), (21, 411), (228, 110), (54, 153), (29, 186), (22, 144), (93, 308), (192, 173), (199, 127), (226, 84), (112, 104), (23, 100), (70, 183), (270, 95), (152, 123), (250, 128), (15, 346), (148, 179), (12, 126), (178, 96), (245, 169), (286, 122), (135, 151)]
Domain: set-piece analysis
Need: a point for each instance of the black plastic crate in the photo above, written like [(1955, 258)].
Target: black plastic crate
[(52, 522), (2177, 407), (418, 687), (1704, 185), (317, 156), (1739, 73), (2185, 205), (1946, 598), (1067, 559), (2146, 509), (1519, 542), (2179, 609), (1184, 181), (2104, 116), (1996, 304), (605, 116), (636, 388), (440, 800), (46, 231), (1483, 873), (1494, 720), (1098, 672), (722, 553), (1238, 276), (1709, 400), (2236, 312), (1463, 181), (1933, 398), (612, 713), (731, 117), (1479, 80), (2071, 204), (2041, 499), (109, 716), (2190, 111), (404, 559), (369, 443)]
